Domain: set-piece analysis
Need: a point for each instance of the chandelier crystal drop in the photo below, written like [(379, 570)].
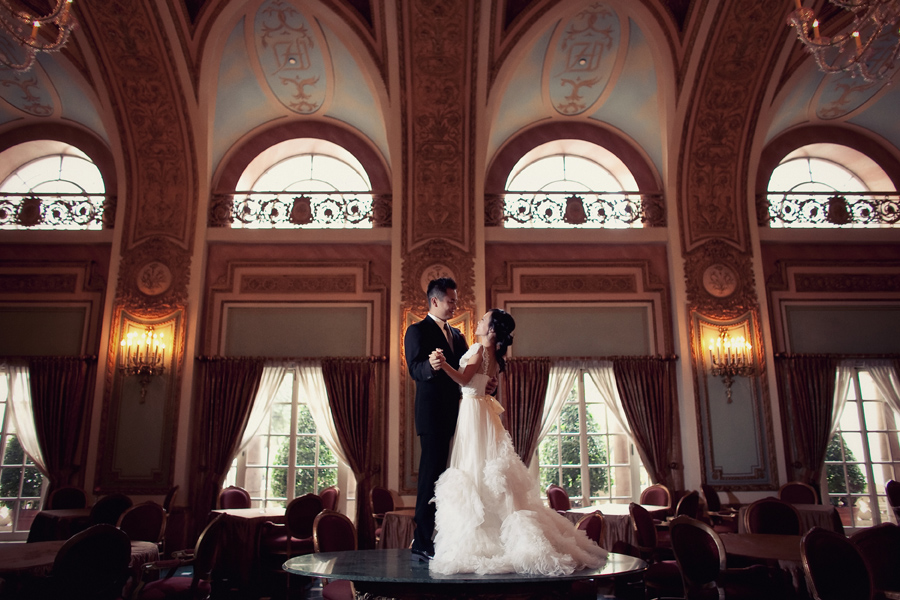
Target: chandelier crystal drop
[(868, 48), (32, 26)]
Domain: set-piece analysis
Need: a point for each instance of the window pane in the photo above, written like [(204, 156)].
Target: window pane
[(850, 417), (879, 447)]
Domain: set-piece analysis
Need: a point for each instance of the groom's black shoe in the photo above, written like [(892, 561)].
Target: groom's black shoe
[(421, 555)]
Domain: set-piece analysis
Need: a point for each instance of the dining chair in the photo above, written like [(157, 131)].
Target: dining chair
[(144, 522), (234, 497), (109, 508), (892, 489), (67, 496), (880, 546), (702, 559), (722, 521), (92, 565), (161, 579), (834, 567), (592, 525), (662, 577), (170, 498), (688, 505), (382, 502), (771, 515), (798, 492), (335, 532), (656, 494), (278, 542), (558, 498), (330, 497)]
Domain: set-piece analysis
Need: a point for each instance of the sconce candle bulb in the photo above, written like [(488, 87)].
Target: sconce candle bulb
[(143, 355), (730, 358)]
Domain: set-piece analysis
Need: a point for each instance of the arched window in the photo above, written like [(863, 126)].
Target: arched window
[(303, 183), (574, 183), (62, 190), (829, 185)]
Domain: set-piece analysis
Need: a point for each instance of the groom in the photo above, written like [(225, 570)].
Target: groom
[(437, 400)]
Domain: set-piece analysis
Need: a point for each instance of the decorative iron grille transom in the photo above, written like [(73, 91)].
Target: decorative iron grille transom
[(829, 209), (287, 210), (61, 211), (581, 209)]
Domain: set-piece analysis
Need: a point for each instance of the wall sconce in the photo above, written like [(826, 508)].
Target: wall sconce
[(143, 355), (730, 358)]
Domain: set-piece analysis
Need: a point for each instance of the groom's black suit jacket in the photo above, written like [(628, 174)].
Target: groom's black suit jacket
[(437, 396)]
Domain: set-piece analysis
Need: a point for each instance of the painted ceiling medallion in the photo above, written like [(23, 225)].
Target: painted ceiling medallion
[(154, 278), (720, 280), (289, 50), (581, 59)]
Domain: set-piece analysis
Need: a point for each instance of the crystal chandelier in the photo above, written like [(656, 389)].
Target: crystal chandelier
[(868, 48), (32, 26)]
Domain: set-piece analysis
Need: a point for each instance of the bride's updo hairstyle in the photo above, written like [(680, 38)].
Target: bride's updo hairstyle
[(502, 324)]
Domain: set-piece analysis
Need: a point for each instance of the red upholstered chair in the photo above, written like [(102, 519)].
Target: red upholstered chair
[(880, 546), (688, 506), (294, 537), (91, 565), (234, 497), (382, 502), (662, 577), (67, 496), (771, 515), (335, 532), (109, 508), (558, 498), (797, 492), (892, 489), (701, 558), (592, 525), (144, 522), (330, 497), (834, 567), (201, 559), (657, 494)]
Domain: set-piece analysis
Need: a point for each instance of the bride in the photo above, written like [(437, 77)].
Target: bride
[(490, 517)]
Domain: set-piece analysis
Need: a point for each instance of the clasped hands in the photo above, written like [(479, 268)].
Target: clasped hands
[(437, 360)]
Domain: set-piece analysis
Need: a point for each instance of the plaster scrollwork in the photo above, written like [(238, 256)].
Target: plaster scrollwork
[(719, 280)]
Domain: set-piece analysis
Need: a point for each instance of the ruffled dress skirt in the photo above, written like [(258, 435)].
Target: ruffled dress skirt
[(490, 517)]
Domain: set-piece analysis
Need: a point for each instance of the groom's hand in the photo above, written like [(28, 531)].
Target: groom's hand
[(436, 359), (491, 386)]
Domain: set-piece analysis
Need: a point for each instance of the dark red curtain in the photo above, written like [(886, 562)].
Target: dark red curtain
[(646, 386), (524, 391), (356, 396), (808, 383), (228, 387), (61, 388)]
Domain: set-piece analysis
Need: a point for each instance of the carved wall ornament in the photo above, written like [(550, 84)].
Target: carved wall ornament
[(720, 280), (431, 261), (435, 271), (153, 278)]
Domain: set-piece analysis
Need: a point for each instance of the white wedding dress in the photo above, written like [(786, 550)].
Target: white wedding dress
[(490, 517)]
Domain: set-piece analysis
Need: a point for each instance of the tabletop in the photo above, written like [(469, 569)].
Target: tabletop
[(395, 565), (766, 546)]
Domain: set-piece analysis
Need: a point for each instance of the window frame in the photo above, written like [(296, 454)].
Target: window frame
[(875, 492), (638, 476), (240, 468)]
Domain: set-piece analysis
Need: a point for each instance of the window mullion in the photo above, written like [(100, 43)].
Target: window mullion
[(583, 443), (292, 448)]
